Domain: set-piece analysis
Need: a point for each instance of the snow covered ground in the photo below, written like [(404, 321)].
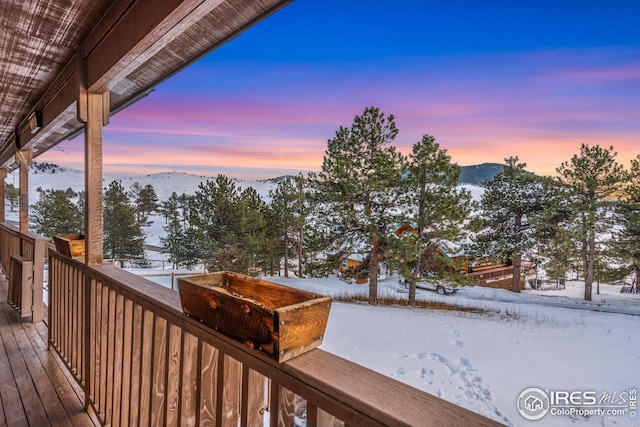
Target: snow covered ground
[(547, 339), (550, 339)]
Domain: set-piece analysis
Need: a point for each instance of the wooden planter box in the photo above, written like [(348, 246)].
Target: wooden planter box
[(71, 245), (281, 321)]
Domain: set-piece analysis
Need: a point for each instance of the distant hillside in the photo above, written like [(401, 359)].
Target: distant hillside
[(477, 174)]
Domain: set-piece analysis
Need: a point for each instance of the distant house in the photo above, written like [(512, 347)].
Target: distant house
[(352, 261), (351, 267), (450, 257)]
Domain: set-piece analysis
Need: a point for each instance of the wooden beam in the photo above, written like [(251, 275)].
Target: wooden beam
[(3, 176), (93, 177), (145, 28), (24, 160)]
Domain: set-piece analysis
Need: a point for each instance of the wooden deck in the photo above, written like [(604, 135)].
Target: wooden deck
[(35, 388)]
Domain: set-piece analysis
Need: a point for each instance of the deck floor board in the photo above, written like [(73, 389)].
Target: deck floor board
[(35, 388)]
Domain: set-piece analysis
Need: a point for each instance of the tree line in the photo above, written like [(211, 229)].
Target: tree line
[(125, 213), (586, 219)]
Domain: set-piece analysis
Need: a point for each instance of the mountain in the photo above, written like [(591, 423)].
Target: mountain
[(477, 174), (45, 176)]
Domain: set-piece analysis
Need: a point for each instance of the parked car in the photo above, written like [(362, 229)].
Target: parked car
[(442, 288)]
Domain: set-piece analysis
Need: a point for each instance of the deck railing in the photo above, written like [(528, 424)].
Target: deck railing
[(17, 250), (142, 362)]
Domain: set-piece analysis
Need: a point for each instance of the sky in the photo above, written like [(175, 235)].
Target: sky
[(489, 80)]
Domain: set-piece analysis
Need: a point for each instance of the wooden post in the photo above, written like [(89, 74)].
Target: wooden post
[(97, 110), (24, 159), (3, 176)]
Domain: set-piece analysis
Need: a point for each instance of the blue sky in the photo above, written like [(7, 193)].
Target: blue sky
[(488, 79)]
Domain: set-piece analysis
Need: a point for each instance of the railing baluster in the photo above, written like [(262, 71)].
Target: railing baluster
[(125, 394), (136, 366), (158, 396), (118, 357), (144, 363), (190, 381), (111, 330), (172, 378), (146, 366)]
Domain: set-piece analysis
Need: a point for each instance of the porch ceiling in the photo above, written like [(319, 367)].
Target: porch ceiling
[(51, 48)]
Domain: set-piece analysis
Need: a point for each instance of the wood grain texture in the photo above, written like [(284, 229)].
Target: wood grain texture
[(254, 397), (190, 376), (158, 373), (174, 377), (136, 365), (232, 382), (352, 393), (118, 357), (208, 383), (276, 319), (146, 368), (25, 359), (286, 407), (127, 374), (110, 359)]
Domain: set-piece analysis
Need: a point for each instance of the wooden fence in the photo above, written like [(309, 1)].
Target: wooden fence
[(17, 250), (142, 362)]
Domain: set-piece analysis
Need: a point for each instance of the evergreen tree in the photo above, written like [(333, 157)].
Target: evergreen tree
[(361, 183), (301, 208), (123, 237), (148, 200), (70, 193), (213, 215), (593, 177), (13, 195), (134, 194), (182, 243), (169, 208), (55, 214), (145, 201), (252, 226), (627, 245), (436, 207), (283, 196), (514, 202)]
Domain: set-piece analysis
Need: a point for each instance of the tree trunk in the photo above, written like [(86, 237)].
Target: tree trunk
[(412, 284), (588, 261), (286, 256), (373, 275), (301, 231), (412, 293), (515, 280)]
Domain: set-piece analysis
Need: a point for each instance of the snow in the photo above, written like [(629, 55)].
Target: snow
[(482, 361), (550, 339)]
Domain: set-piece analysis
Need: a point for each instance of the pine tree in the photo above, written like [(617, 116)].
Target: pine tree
[(436, 208), (627, 244), (55, 214), (123, 237), (360, 185), (283, 196), (148, 202), (213, 215), (593, 176), (12, 194), (512, 205), (251, 230), (145, 201), (301, 208), (169, 208)]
